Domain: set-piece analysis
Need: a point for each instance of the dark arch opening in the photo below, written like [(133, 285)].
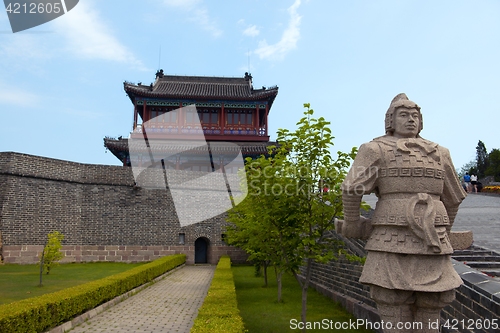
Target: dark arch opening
[(201, 251)]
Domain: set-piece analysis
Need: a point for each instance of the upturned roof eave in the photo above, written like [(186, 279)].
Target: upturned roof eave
[(134, 91)]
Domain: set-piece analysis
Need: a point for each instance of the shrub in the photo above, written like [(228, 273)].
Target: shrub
[(51, 253), (41, 313), (219, 312)]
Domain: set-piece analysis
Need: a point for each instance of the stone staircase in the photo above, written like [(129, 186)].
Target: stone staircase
[(480, 259)]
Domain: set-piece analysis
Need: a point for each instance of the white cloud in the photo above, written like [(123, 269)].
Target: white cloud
[(17, 97), (199, 14), (89, 37), (182, 4), (23, 47), (251, 31), (203, 19), (288, 40), (83, 114)]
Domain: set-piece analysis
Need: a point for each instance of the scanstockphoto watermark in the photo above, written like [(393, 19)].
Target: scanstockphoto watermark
[(360, 172), (26, 14), (205, 179), (268, 188), (254, 170), (330, 325), (303, 180)]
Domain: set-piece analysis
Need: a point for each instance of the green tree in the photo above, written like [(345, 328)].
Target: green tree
[(481, 159), (318, 197), (287, 211), (469, 167), (494, 164), (51, 253), (261, 224)]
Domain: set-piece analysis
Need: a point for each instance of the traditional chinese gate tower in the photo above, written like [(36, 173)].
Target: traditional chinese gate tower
[(229, 110)]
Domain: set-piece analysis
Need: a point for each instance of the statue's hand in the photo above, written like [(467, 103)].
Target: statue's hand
[(360, 229)]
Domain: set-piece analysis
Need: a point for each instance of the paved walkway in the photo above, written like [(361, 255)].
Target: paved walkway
[(479, 213), (170, 305)]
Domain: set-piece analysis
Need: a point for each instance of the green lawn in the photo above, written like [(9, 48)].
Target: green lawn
[(261, 312), (21, 281)]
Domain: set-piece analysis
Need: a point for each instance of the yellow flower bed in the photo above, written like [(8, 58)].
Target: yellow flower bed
[(491, 189)]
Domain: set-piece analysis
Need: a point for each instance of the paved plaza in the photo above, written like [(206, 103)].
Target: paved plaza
[(169, 306), (479, 213)]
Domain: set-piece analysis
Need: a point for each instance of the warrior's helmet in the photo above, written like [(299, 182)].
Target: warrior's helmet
[(401, 100)]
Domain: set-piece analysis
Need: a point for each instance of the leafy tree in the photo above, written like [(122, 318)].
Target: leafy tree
[(494, 164), (481, 159), (51, 253), (318, 197), (261, 223), (469, 167), (293, 196)]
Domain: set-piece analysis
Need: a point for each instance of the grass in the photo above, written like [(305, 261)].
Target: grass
[(261, 312), (21, 281)]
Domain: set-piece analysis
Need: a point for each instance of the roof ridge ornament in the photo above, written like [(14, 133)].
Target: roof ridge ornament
[(159, 74)]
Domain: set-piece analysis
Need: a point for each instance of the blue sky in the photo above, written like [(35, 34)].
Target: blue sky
[(61, 83)]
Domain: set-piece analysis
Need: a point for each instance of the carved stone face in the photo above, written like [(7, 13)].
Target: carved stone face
[(407, 123)]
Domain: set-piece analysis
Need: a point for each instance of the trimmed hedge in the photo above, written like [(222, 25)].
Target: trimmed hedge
[(219, 312), (41, 313)]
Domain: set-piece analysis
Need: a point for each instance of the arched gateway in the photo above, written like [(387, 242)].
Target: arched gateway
[(201, 251)]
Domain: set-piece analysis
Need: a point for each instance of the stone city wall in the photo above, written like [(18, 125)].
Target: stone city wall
[(100, 211)]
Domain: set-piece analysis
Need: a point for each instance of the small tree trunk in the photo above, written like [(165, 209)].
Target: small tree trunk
[(41, 266), (305, 287), (278, 278), (304, 306), (265, 272)]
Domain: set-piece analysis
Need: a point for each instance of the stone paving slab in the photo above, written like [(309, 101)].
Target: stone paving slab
[(170, 305), (479, 213)]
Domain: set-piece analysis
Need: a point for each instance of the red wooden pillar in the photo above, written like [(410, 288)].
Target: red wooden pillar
[(256, 119), (267, 114), (222, 119), (145, 116), (181, 117)]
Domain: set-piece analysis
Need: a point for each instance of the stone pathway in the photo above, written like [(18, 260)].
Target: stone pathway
[(479, 213), (170, 305)]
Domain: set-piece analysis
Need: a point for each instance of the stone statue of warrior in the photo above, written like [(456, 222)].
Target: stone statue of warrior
[(408, 266)]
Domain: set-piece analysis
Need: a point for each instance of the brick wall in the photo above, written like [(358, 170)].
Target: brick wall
[(98, 209)]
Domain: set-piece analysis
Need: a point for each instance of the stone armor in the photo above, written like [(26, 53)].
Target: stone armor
[(419, 195), (409, 177), (413, 220)]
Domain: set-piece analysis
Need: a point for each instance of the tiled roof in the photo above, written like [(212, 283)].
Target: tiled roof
[(172, 86), (247, 147)]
